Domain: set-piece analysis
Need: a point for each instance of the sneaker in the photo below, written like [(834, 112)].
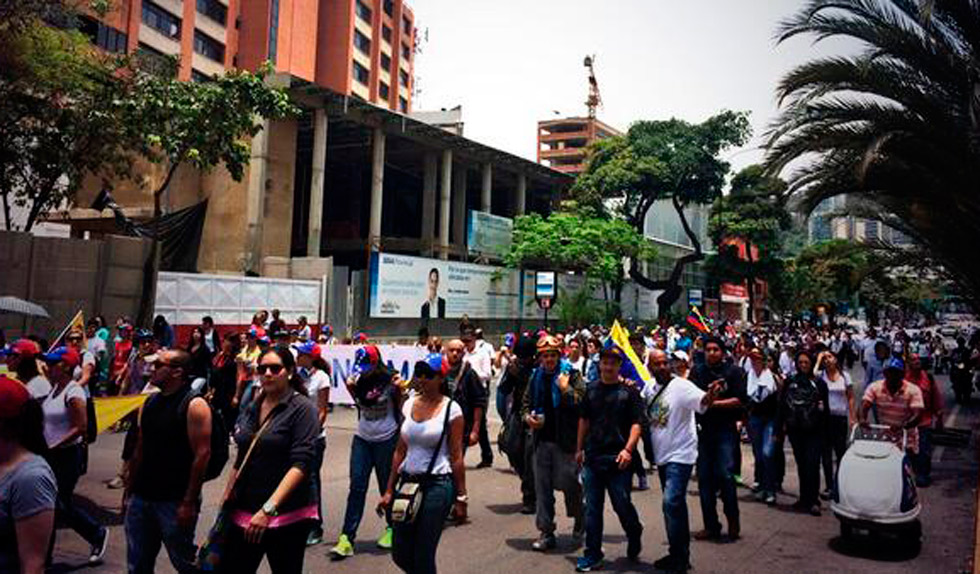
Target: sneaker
[(99, 548), (343, 549), (826, 494), (738, 480), (670, 564), (760, 496), (815, 510), (586, 564), (115, 483), (734, 531), (634, 546), (528, 509), (544, 543), (485, 464), (771, 499), (315, 537), (385, 540), (642, 483)]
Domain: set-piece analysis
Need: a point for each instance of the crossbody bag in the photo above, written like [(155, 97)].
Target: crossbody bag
[(410, 490)]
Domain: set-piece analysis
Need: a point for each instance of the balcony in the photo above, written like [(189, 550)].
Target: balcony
[(564, 136)]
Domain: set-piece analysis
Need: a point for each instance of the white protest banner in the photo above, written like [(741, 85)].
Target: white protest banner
[(400, 359)]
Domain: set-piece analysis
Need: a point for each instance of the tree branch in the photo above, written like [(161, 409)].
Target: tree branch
[(157, 210)]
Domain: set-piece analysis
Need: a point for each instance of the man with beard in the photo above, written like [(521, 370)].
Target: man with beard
[(466, 388)]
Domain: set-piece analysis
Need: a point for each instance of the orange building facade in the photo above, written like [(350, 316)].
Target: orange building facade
[(562, 144), (361, 48)]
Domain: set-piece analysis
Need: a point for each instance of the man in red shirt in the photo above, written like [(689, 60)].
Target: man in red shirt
[(932, 417), (120, 354)]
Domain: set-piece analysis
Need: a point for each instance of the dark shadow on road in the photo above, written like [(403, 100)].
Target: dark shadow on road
[(620, 564), (505, 508), (877, 548), (101, 514)]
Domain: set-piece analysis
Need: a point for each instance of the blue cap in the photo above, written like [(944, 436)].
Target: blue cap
[(895, 364), (365, 358), (66, 354), (434, 363), (611, 349), (509, 340), (326, 330), (308, 348)]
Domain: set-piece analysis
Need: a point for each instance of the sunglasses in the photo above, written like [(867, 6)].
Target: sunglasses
[(274, 369), (74, 339)]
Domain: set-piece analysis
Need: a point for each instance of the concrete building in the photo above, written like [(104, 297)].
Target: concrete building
[(450, 120), (562, 143), (826, 223), (361, 48)]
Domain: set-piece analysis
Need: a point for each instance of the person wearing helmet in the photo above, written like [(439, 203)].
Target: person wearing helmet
[(551, 410)]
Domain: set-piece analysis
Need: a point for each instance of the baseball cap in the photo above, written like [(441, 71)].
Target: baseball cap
[(360, 337), (432, 364), (365, 358), (308, 348), (23, 348), (509, 340), (326, 330), (895, 364), (680, 356), (144, 335), (13, 397), (611, 349), (65, 354)]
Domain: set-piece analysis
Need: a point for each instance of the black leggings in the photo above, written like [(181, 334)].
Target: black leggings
[(285, 548)]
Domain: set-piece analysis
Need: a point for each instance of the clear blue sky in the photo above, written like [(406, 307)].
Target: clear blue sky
[(511, 63)]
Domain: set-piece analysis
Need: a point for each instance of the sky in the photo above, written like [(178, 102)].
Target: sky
[(511, 63)]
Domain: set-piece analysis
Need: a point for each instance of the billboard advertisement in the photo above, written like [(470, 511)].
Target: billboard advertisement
[(488, 234), (403, 286)]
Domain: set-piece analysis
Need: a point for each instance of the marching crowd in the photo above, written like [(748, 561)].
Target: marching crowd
[(579, 416)]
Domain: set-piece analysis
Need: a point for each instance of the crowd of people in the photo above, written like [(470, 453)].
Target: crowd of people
[(579, 416)]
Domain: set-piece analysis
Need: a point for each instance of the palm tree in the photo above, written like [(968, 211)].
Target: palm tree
[(897, 125)]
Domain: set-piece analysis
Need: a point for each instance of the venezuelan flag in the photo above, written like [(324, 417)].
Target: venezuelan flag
[(633, 367), (696, 320)]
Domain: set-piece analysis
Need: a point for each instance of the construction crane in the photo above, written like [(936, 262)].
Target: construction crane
[(595, 100)]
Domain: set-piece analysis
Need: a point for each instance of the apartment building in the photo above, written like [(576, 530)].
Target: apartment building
[(360, 48), (562, 143)]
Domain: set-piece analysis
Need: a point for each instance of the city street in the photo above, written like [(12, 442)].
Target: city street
[(498, 538)]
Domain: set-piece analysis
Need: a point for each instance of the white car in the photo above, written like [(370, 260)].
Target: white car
[(876, 488)]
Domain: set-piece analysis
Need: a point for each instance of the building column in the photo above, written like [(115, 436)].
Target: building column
[(377, 188), (459, 207), (315, 234), (445, 193), (255, 198), (429, 201), (487, 189), (520, 198)]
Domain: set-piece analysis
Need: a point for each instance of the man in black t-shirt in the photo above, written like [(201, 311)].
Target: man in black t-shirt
[(718, 439), (607, 435)]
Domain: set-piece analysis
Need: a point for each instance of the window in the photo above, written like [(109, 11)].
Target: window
[(214, 10), (274, 32), (160, 20), (386, 33), (385, 62), (403, 77), (363, 12), (406, 26), (389, 7), (402, 105), (406, 52), (384, 91), (155, 61), (105, 37), (361, 73), (362, 42), (208, 47), (197, 76)]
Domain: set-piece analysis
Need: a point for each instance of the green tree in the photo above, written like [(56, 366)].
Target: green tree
[(753, 214), (661, 160), (895, 124), (579, 241)]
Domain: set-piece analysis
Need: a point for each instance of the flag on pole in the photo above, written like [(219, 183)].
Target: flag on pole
[(633, 367), (110, 410), (77, 323), (696, 320)]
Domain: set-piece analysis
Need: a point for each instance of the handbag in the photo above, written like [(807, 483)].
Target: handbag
[(410, 490), (210, 553)]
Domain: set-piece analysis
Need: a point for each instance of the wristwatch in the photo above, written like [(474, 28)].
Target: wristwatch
[(270, 508)]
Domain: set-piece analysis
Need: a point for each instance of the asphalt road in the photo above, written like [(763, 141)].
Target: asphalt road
[(498, 538)]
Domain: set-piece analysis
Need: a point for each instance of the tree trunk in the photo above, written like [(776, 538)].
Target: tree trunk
[(750, 283), (6, 211), (152, 266)]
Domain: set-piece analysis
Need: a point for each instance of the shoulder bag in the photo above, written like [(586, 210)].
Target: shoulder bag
[(410, 490)]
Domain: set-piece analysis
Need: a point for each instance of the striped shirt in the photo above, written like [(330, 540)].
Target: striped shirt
[(896, 409)]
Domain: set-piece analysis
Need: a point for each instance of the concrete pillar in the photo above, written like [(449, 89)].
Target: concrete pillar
[(255, 198), (459, 207), (316, 183), (445, 193), (520, 197), (377, 188), (487, 189), (429, 201)]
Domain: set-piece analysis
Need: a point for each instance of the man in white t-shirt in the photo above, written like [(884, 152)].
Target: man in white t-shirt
[(671, 404), (480, 359)]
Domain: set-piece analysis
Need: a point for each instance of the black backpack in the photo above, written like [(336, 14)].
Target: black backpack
[(219, 436), (803, 405)]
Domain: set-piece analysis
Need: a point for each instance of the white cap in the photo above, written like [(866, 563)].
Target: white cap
[(680, 356)]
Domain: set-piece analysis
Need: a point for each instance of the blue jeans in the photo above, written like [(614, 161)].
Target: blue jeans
[(674, 477), (716, 449), (319, 448), (764, 452), (366, 456), (151, 523), (596, 482), (414, 545)]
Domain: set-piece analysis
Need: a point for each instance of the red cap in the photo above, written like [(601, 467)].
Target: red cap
[(66, 354), (13, 396), (24, 348)]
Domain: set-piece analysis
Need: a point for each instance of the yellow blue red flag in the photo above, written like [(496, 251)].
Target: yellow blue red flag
[(633, 367)]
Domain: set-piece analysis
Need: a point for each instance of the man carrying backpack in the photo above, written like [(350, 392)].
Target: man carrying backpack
[(165, 474)]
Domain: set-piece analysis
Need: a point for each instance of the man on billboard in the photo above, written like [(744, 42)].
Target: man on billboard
[(434, 300)]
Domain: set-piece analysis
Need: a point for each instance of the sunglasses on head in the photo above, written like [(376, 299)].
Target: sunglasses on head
[(275, 369)]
